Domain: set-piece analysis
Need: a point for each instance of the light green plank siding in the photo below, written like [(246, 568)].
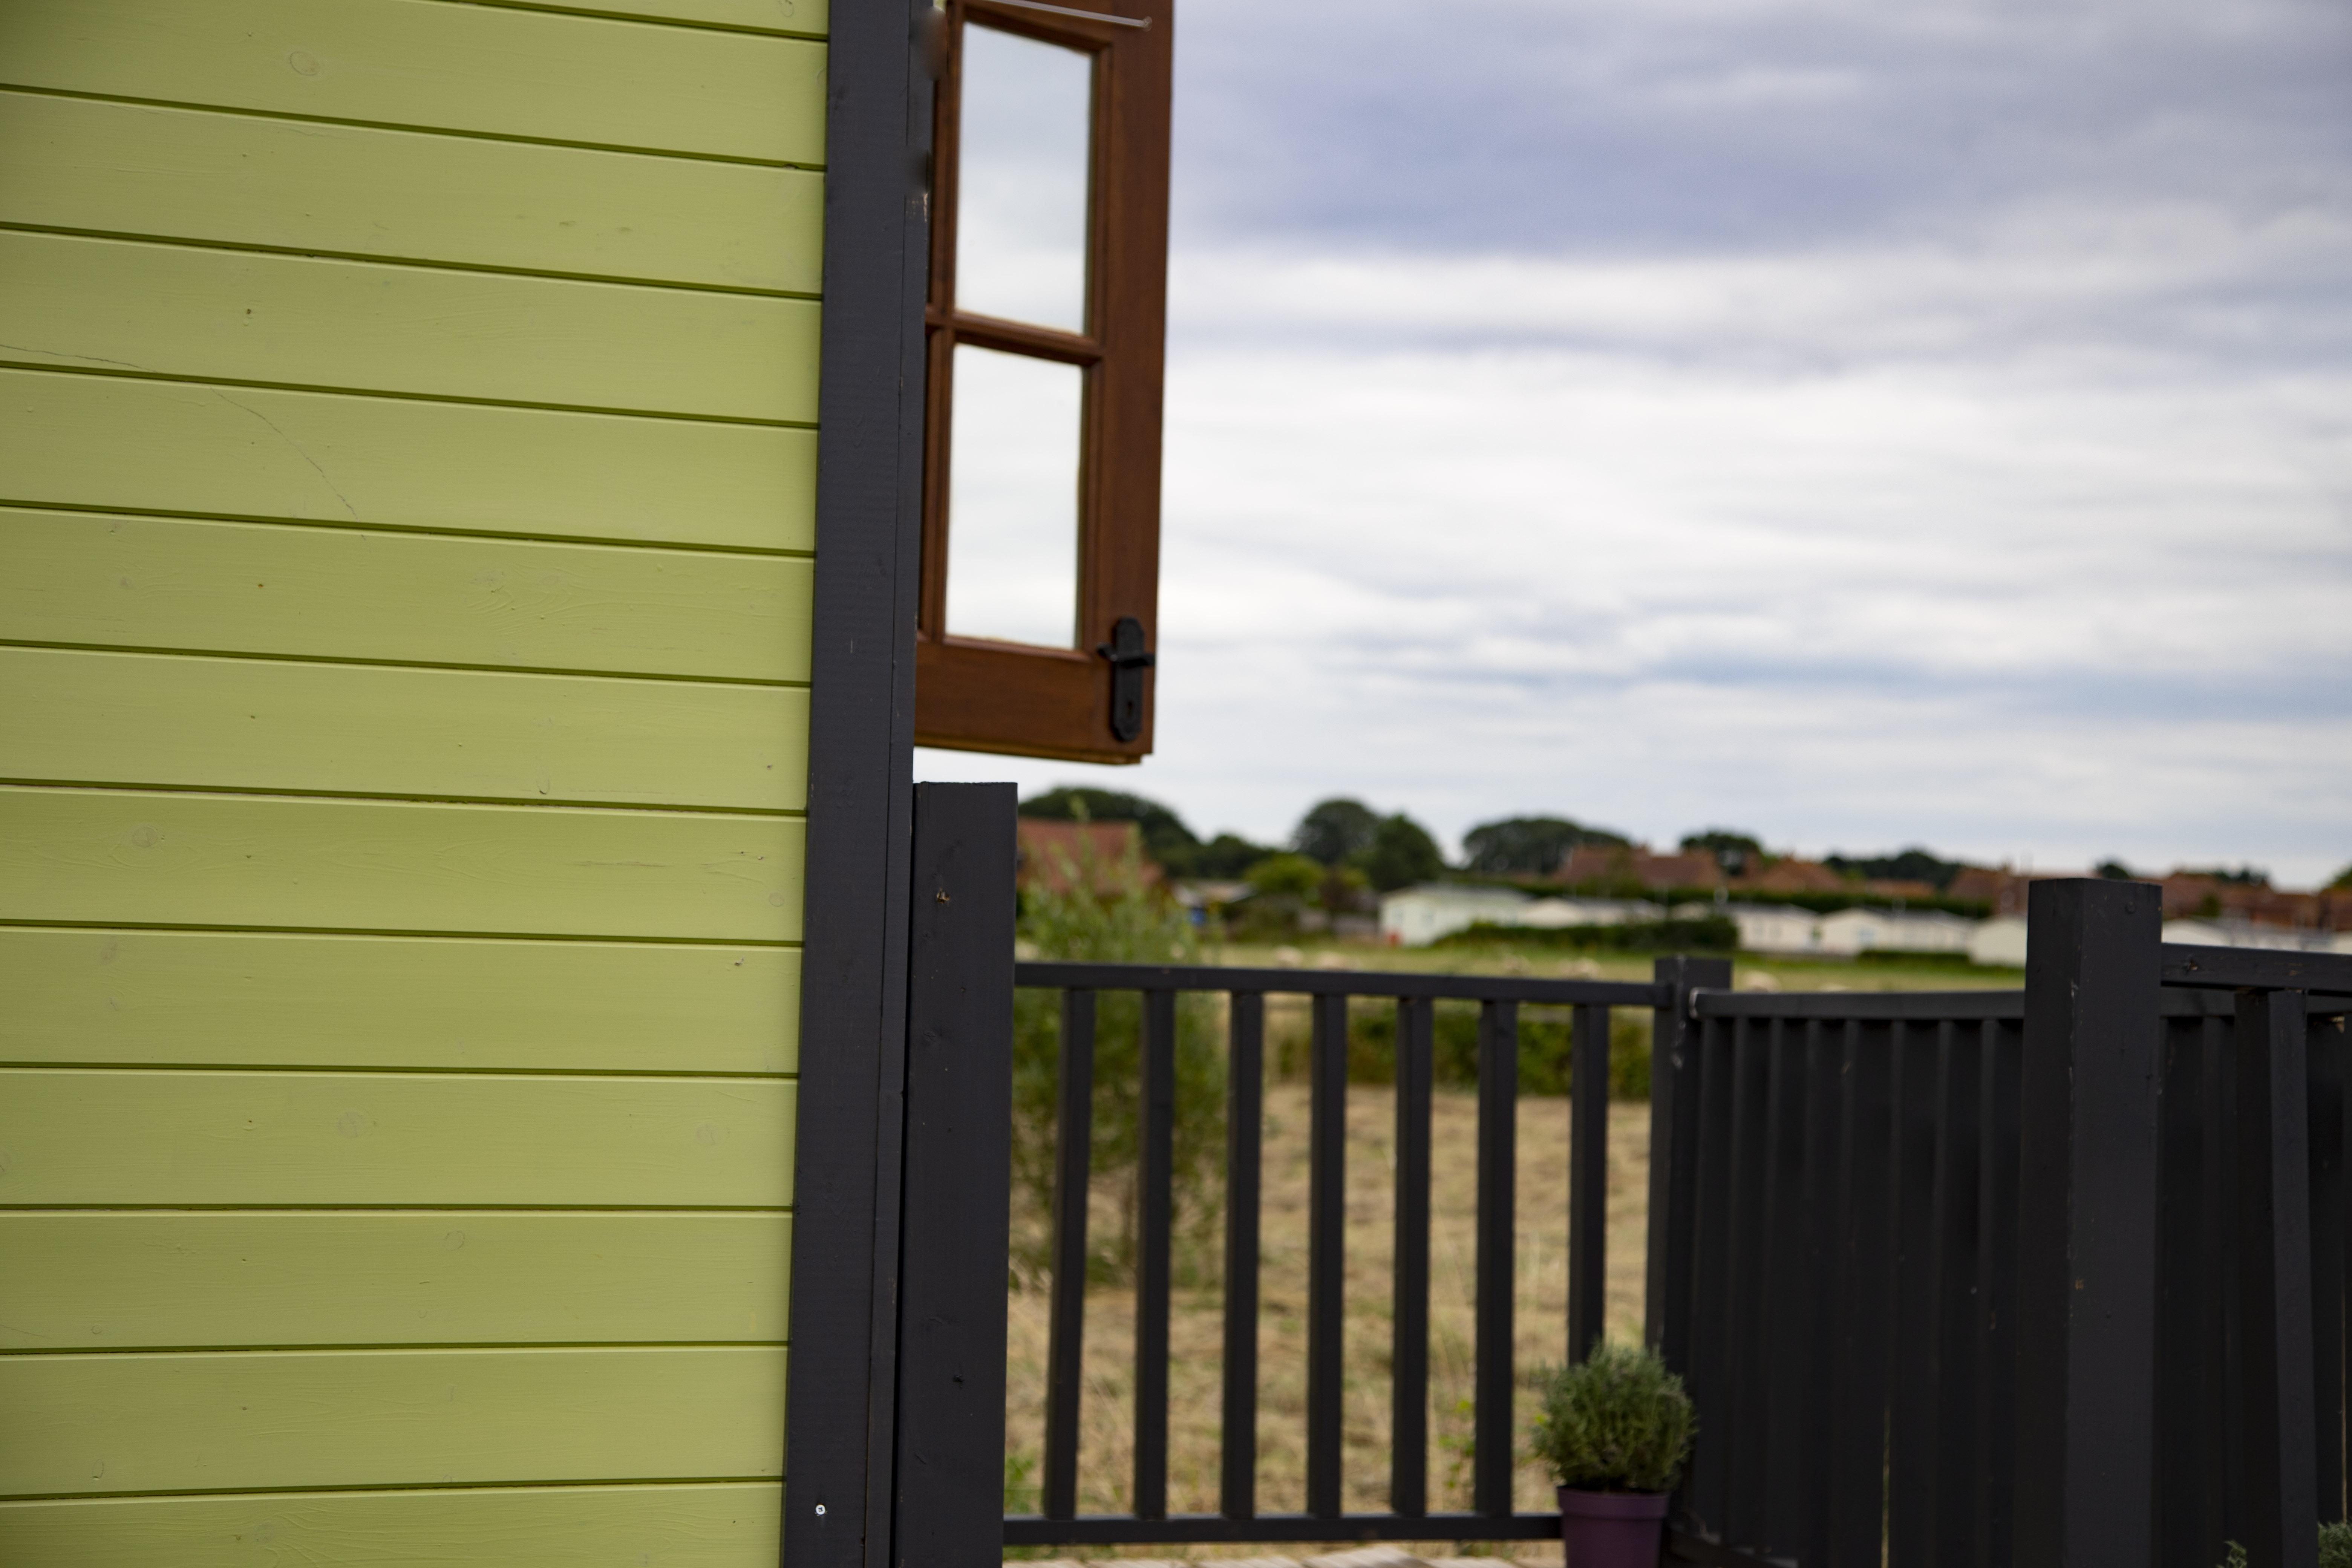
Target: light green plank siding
[(805, 18), (243, 452), (708, 1526), (406, 492), (86, 1281), (268, 999), (135, 169), (95, 1424), (437, 64), (108, 857), (233, 724), (120, 1137), (91, 579), (168, 309)]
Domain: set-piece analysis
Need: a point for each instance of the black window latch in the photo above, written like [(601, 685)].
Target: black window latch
[(1128, 660)]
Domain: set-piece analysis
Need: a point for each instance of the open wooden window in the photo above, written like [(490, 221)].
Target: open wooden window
[(1046, 315)]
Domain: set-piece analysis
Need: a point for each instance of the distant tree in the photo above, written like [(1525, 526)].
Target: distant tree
[(1732, 849), (1166, 839), (1228, 855), (2115, 871), (1280, 876), (2243, 877), (1401, 853), (2343, 882), (1335, 831), (1912, 865), (1529, 846)]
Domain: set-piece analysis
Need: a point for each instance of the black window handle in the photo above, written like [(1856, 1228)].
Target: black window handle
[(1129, 660)]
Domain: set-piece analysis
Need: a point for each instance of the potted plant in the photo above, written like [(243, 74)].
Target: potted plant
[(1616, 1431)]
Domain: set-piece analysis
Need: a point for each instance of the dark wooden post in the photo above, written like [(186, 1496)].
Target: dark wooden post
[(1673, 1150), (2086, 1227), (2274, 1280), (959, 1186)]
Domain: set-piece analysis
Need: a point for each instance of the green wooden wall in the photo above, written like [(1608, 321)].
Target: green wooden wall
[(407, 418)]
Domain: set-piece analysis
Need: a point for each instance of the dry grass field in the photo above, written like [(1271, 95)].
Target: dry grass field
[(1106, 1449)]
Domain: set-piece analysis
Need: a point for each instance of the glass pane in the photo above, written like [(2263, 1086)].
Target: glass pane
[(1013, 498), (1021, 212)]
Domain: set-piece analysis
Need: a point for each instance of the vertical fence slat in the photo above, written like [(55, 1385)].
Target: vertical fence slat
[(2225, 1437), (1707, 1489), (2275, 1278), (1155, 1233), (1495, 1431), (1954, 1293), (1911, 1412), (2324, 1053), (1066, 1334), (1997, 1309), (1860, 1297), (1825, 1086), (1788, 1289), (1245, 1141), (1327, 1206), (1409, 1351), (1743, 1514), (1588, 1180), (2187, 1409)]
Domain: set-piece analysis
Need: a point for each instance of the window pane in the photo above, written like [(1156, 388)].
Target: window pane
[(1013, 498), (1021, 212)]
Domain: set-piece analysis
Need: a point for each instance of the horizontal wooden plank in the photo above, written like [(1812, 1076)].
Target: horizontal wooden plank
[(265, 999), (228, 315), (107, 858), (135, 169), (488, 69), (105, 580), (252, 452), (97, 1424), (135, 1137), (803, 18), (90, 1281), (248, 724), (714, 1525)]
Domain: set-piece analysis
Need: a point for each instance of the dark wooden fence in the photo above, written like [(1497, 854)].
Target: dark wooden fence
[(1414, 997), (1971, 1279), (1957, 1280)]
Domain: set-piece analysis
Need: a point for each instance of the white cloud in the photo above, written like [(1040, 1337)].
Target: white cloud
[(2020, 526)]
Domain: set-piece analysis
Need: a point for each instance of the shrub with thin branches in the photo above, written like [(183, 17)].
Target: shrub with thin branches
[(1618, 1422)]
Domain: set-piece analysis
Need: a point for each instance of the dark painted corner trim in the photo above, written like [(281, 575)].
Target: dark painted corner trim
[(838, 1436)]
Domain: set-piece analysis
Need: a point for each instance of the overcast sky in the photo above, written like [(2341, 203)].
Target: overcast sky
[(1859, 424)]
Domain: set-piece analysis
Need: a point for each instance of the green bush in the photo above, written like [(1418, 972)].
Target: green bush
[(1709, 934), (1114, 919), (2336, 1545), (1620, 1421), (1545, 1037)]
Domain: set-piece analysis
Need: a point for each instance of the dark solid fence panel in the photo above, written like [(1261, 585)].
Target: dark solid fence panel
[(2224, 1198)]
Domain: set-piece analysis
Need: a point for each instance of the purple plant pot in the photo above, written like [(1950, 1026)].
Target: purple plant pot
[(1612, 1530)]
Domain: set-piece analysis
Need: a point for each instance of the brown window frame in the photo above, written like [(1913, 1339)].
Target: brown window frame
[(977, 694)]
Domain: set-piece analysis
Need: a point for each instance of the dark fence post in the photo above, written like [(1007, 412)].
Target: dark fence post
[(1674, 1152), (2086, 1267), (958, 1188)]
